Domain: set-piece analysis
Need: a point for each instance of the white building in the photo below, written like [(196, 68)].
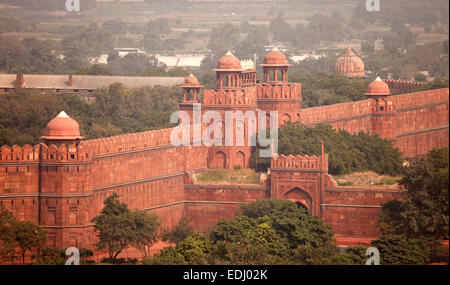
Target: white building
[(181, 60)]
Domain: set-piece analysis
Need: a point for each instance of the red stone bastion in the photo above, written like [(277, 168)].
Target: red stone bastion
[(61, 184)]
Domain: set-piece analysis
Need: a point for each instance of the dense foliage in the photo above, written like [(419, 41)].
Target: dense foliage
[(346, 152), (412, 229), (424, 211), (116, 110), (326, 89), (120, 228), (180, 232), (18, 237), (266, 232)]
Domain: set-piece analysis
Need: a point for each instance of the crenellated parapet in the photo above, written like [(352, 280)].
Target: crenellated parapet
[(288, 91), (42, 152), (403, 86), (16, 153), (64, 153), (336, 112), (300, 161), (422, 98), (240, 97), (128, 142)]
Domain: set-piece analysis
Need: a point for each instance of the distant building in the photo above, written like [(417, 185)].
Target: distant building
[(350, 65), (280, 46), (102, 59), (82, 85), (305, 56), (180, 60), (122, 52)]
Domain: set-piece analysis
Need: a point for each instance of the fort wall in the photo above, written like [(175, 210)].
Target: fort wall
[(351, 116), (353, 212), (205, 204), (286, 98), (403, 86), (415, 122), (63, 187)]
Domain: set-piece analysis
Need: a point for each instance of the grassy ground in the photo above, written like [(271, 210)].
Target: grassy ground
[(240, 176), (359, 179)]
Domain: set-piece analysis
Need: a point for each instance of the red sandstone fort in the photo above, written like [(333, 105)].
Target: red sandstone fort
[(61, 184)]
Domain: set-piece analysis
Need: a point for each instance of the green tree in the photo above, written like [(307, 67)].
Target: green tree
[(89, 43), (27, 236), (167, 256), (161, 26), (95, 69), (146, 230), (398, 250), (291, 222), (245, 240), (7, 241), (196, 249), (355, 255), (115, 26), (347, 152), (52, 256), (120, 228), (179, 233), (280, 30), (424, 211)]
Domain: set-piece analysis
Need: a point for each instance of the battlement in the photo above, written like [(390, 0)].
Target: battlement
[(402, 86), (63, 153), (287, 91), (336, 112), (421, 98), (86, 149), (128, 142), (60, 153), (299, 161), (19, 154), (245, 96)]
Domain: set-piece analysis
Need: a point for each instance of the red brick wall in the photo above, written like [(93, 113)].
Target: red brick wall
[(286, 98), (353, 212), (401, 86), (352, 116), (63, 188), (416, 122), (205, 204)]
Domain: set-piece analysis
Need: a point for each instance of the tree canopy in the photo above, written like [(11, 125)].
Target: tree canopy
[(346, 152), (116, 110), (120, 228), (424, 211)]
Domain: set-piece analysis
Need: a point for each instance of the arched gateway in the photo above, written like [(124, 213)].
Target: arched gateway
[(301, 198)]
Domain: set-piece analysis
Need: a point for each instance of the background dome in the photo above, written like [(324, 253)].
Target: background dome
[(349, 65), (378, 87), (229, 61), (275, 57), (62, 127)]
